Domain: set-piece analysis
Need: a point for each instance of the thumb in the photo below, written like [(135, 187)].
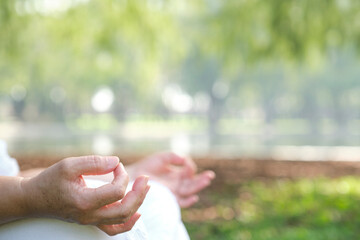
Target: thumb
[(92, 165)]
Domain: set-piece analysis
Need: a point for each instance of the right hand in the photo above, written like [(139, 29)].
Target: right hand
[(60, 192), (177, 173)]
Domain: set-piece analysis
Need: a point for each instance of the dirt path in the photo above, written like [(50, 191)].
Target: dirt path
[(237, 169)]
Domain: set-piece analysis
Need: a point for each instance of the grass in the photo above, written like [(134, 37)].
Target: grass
[(278, 209)]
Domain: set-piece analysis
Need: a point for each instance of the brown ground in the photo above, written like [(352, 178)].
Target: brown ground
[(231, 173), (237, 169)]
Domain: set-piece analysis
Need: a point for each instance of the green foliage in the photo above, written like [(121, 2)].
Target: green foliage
[(280, 209), (253, 30), (136, 47), (90, 44)]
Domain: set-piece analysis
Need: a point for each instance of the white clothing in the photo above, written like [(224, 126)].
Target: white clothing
[(161, 214), (54, 229), (160, 217), (8, 165)]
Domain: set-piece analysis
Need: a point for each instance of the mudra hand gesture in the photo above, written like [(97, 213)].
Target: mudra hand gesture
[(175, 172), (60, 192)]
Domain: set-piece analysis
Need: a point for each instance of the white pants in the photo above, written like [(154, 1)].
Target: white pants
[(160, 219)]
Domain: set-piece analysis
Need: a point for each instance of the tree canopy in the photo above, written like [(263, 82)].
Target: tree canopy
[(136, 47)]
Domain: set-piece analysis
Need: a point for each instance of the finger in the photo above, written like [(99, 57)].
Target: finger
[(120, 228), (124, 209), (172, 158), (188, 202), (209, 174), (190, 167), (196, 184), (91, 165), (110, 192), (138, 192)]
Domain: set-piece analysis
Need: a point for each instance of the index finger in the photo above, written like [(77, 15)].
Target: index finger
[(90, 165), (122, 210), (108, 193)]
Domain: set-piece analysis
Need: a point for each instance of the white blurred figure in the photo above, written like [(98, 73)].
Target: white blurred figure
[(180, 144), (8, 165), (103, 145)]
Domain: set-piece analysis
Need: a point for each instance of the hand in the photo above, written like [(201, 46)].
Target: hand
[(175, 172), (60, 192)]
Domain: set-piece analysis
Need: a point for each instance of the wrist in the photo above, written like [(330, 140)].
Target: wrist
[(13, 204), (31, 199), (25, 196)]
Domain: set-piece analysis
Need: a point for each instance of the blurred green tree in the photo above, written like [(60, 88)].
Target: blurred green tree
[(216, 46)]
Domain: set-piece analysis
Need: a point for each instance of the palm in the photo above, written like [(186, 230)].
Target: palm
[(178, 174)]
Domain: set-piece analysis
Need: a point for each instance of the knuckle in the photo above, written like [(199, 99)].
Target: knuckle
[(65, 165), (94, 160), (85, 207), (82, 206), (120, 192), (121, 217), (126, 214)]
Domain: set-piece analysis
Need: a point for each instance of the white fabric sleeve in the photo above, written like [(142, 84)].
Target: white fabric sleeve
[(8, 165), (54, 229), (161, 214)]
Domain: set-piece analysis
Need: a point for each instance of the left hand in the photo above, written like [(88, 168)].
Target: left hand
[(176, 173)]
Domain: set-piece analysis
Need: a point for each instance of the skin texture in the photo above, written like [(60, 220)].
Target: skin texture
[(177, 173), (60, 192)]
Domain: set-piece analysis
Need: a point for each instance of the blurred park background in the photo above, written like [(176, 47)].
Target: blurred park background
[(271, 87)]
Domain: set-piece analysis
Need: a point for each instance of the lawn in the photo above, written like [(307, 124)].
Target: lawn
[(280, 209)]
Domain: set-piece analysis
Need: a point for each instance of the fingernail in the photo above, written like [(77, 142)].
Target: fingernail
[(112, 162), (212, 175)]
